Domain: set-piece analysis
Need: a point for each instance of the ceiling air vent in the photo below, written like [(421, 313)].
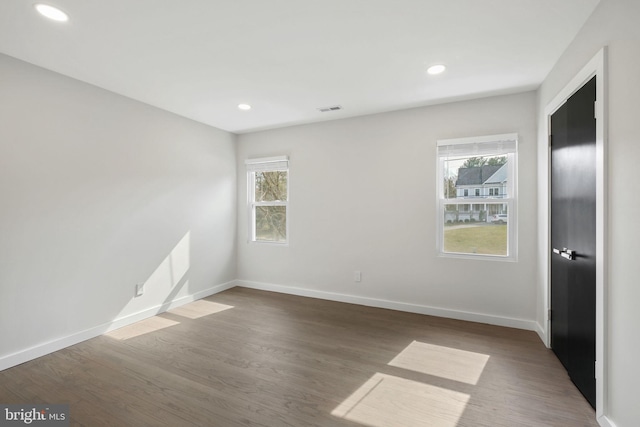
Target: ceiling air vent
[(332, 108)]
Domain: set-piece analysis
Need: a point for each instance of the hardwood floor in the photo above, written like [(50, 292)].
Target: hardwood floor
[(251, 358)]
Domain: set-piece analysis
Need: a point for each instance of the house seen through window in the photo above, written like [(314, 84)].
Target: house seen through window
[(477, 197)]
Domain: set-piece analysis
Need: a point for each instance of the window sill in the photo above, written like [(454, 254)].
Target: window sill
[(478, 257), (267, 243)]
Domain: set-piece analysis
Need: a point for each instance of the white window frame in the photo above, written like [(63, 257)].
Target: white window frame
[(265, 164), (498, 145)]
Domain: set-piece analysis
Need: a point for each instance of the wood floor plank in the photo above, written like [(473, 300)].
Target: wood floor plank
[(185, 391), (251, 358)]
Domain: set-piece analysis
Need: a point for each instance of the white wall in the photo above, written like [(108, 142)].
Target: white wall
[(614, 23), (99, 192), (362, 197)]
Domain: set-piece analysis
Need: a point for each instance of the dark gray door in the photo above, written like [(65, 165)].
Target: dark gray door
[(573, 238)]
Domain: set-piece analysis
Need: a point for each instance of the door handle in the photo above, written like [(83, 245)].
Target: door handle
[(565, 253), (568, 255)]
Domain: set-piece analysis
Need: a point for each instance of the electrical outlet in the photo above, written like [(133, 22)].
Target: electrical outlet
[(139, 289), (357, 276)]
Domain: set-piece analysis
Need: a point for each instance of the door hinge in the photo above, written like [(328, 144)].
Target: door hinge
[(595, 110), (549, 314), (550, 140)]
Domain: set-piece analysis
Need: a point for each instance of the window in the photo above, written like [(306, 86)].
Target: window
[(268, 199), (488, 230)]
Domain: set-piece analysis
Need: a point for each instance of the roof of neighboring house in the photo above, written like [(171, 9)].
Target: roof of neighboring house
[(479, 175), (499, 177)]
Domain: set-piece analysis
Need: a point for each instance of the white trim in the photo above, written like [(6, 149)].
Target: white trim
[(605, 422), (267, 164), (510, 322), (595, 67), (274, 203), (28, 354), (540, 331), (479, 139), (266, 160)]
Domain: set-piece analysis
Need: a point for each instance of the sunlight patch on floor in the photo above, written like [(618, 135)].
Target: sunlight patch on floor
[(142, 327), (385, 400), (444, 362), (199, 309)]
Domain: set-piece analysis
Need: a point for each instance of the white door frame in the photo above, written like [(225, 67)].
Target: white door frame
[(596, 67)]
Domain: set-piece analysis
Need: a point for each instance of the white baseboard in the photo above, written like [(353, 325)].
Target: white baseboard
[(605, 422), (542, 334), (529, 325), (28, 354)]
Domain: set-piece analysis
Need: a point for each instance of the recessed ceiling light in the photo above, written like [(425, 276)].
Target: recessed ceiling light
[(244, 107), (436, 69), (51, 12)]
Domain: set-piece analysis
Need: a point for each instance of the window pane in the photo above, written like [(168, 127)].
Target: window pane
[(271, 186), (271, 223), (489, 172), (478, 231)]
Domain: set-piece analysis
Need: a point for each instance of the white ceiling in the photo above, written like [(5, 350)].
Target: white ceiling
[(200, 58)]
